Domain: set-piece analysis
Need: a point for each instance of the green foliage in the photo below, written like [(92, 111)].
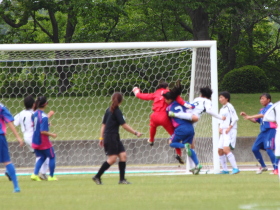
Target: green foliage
[(247, 79)]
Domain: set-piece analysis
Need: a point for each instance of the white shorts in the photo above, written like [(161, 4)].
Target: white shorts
[(277, 144), (228, 140)]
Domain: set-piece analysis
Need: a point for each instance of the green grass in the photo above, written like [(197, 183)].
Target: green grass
[(147, 192), (80, 118)]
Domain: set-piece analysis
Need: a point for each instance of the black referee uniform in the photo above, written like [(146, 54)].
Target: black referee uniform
[(112, 121)]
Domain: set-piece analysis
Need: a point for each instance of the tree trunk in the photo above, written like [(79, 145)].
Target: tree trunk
[(200, 23)]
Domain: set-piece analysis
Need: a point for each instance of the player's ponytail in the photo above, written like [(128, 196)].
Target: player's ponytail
[(40, 102), (117, 98)]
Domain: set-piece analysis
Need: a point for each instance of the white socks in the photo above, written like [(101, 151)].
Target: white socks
[(231, 159), (223, 161)]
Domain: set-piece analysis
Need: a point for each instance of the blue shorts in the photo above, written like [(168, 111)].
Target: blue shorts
[(183, 135), (46, 153), (266, 140), (4, 150)]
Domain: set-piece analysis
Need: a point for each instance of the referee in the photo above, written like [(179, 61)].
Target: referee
[(110, 139)]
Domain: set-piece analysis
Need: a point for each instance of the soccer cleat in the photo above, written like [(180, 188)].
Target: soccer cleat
[(274, 172), (52, 178), (43, 177), (197, 169), (261, 169), (179, 158), (16, 190), (188, 149), (235, 171), (124, 182), (97, 180), (151, 142), (223, 172), (35, 178), (171, 114), (192, 170), (8, 176)]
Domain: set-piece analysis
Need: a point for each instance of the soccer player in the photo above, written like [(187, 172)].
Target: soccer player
[(159, 116), (266, 137), (110, 139), (228, 132), (24, 120), (40, 140), (272, 115), (7, 118), (202, 105), (184, 130)]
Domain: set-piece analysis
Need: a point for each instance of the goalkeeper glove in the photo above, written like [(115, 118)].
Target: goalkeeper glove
[(135, 90)]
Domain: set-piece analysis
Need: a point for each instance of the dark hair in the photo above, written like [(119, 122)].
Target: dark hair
[(267, 95), (226, 94), (117, 98), (174, 93), (28, 102), (206, 92), (40, 102), (162, 84)]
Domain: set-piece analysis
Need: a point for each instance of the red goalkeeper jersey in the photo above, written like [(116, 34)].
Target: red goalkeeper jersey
[(159, 104)]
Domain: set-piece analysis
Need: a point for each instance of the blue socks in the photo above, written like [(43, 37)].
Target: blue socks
[(38, 165), (258, 156), (12, 173), (52, 166), (194, 157), (273, 160)]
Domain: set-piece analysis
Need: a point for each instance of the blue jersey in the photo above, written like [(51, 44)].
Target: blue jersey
[(263, 124), (5, 117), (177, 122), (41, 123)]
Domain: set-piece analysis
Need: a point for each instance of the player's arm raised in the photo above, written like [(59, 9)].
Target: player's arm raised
[(143, 96)]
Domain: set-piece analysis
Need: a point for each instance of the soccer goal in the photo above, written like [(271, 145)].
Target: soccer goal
[(78, 80)]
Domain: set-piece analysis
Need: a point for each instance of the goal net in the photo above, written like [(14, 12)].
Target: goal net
[(78, 79)]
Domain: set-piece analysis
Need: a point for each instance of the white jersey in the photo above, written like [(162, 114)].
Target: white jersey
[(24, 120), (273, 115), (229, 112), (203, 105)]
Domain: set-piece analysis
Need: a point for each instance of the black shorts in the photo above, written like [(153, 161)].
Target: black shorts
[(113, 144)]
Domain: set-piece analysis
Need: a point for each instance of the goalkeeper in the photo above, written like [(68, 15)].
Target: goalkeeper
[(159, 116)]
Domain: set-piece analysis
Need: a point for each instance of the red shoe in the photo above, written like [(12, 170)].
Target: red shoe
[(275, 172)]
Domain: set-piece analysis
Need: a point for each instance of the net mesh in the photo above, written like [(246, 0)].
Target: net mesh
[(79, 84)]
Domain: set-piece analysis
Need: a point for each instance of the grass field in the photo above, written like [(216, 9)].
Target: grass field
[(80, 118), (243, 191)]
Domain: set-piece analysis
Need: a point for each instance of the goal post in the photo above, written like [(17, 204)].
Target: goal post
[(79, 78)]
